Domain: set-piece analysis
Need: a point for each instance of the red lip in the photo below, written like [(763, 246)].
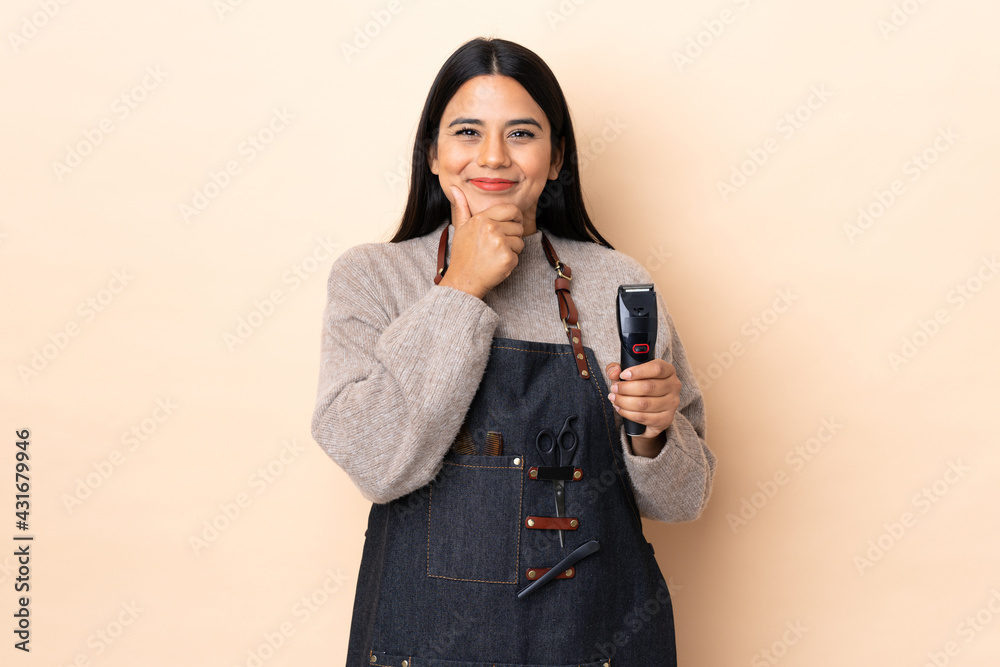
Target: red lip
[(492, 184)]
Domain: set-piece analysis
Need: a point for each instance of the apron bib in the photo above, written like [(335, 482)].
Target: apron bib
[(443, 566)]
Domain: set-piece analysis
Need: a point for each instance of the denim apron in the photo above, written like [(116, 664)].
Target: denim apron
[(442, 567)]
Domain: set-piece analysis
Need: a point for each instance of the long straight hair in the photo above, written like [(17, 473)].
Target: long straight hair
[(560, 208)]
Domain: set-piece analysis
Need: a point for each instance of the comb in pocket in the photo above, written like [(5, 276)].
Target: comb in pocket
[(464, 443), (494, 444)]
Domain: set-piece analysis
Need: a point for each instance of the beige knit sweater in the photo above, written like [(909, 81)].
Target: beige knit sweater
[(394, 387)]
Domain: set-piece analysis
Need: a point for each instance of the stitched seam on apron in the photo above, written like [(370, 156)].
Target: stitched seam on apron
[(467, 465), (478, 581), (520, 502), (517, 554), (521, 349), (614, 459), (430, 496)]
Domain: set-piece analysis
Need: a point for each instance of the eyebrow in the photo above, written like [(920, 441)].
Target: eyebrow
[(516, 121)]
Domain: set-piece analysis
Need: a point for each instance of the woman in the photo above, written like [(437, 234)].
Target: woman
[(449, 373)]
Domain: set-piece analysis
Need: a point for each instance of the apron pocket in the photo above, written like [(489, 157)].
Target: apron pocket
[(474, 519), (381, 659)]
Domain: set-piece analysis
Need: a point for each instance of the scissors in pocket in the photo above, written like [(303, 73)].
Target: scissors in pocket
[(559, 451)]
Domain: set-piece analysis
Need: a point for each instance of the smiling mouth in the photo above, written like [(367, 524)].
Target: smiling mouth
[(492, 184)]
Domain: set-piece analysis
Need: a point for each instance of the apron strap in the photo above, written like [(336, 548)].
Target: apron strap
[(442, 248), (567, 309)]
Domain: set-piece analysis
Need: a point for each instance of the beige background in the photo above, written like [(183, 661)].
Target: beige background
[(838, 559)]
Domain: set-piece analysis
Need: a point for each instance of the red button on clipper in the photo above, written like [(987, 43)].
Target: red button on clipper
[(640, 348)]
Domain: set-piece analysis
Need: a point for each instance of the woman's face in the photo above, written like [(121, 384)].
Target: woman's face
[(493, 129)]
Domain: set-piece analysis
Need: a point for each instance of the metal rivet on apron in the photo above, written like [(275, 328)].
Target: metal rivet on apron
[(374, 658), (575, 339), (533, 474), (579, 356), (585, 374), (406, 663), (574, 523), (517, 462), (577, 474), (607, 664), (531, 522), (569, 572), (531, 574)]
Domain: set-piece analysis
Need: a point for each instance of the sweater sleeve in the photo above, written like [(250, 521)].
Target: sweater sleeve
[(674, 485), (393, 391)]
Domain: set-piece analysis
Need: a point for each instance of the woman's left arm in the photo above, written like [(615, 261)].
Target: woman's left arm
[(671, 466)]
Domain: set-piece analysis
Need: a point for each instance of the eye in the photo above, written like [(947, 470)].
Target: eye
[(516, 134)]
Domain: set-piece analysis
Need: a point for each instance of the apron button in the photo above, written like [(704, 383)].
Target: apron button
[(517, 462), (406, 663)]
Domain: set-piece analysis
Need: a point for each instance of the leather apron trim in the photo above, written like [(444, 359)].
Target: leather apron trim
[(552, 522), (556, 473), (533, 573)]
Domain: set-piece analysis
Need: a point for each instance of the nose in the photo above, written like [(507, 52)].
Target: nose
[(493, 152)]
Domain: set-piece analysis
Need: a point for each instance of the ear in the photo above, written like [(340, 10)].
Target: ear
[(557, 160), (432, 161)]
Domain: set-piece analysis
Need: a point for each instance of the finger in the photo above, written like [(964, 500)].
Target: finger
[(510, 228), (460, 212), (658, 421), (516, 243), (613, 370), (648, 432), (504, 213), (651, 386), (646, 405), (638, 417), (654, 368)]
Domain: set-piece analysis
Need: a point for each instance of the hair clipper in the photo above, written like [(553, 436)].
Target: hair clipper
[(636, 310)]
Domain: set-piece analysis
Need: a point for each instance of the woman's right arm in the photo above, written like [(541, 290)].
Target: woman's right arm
[(394, 387)]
